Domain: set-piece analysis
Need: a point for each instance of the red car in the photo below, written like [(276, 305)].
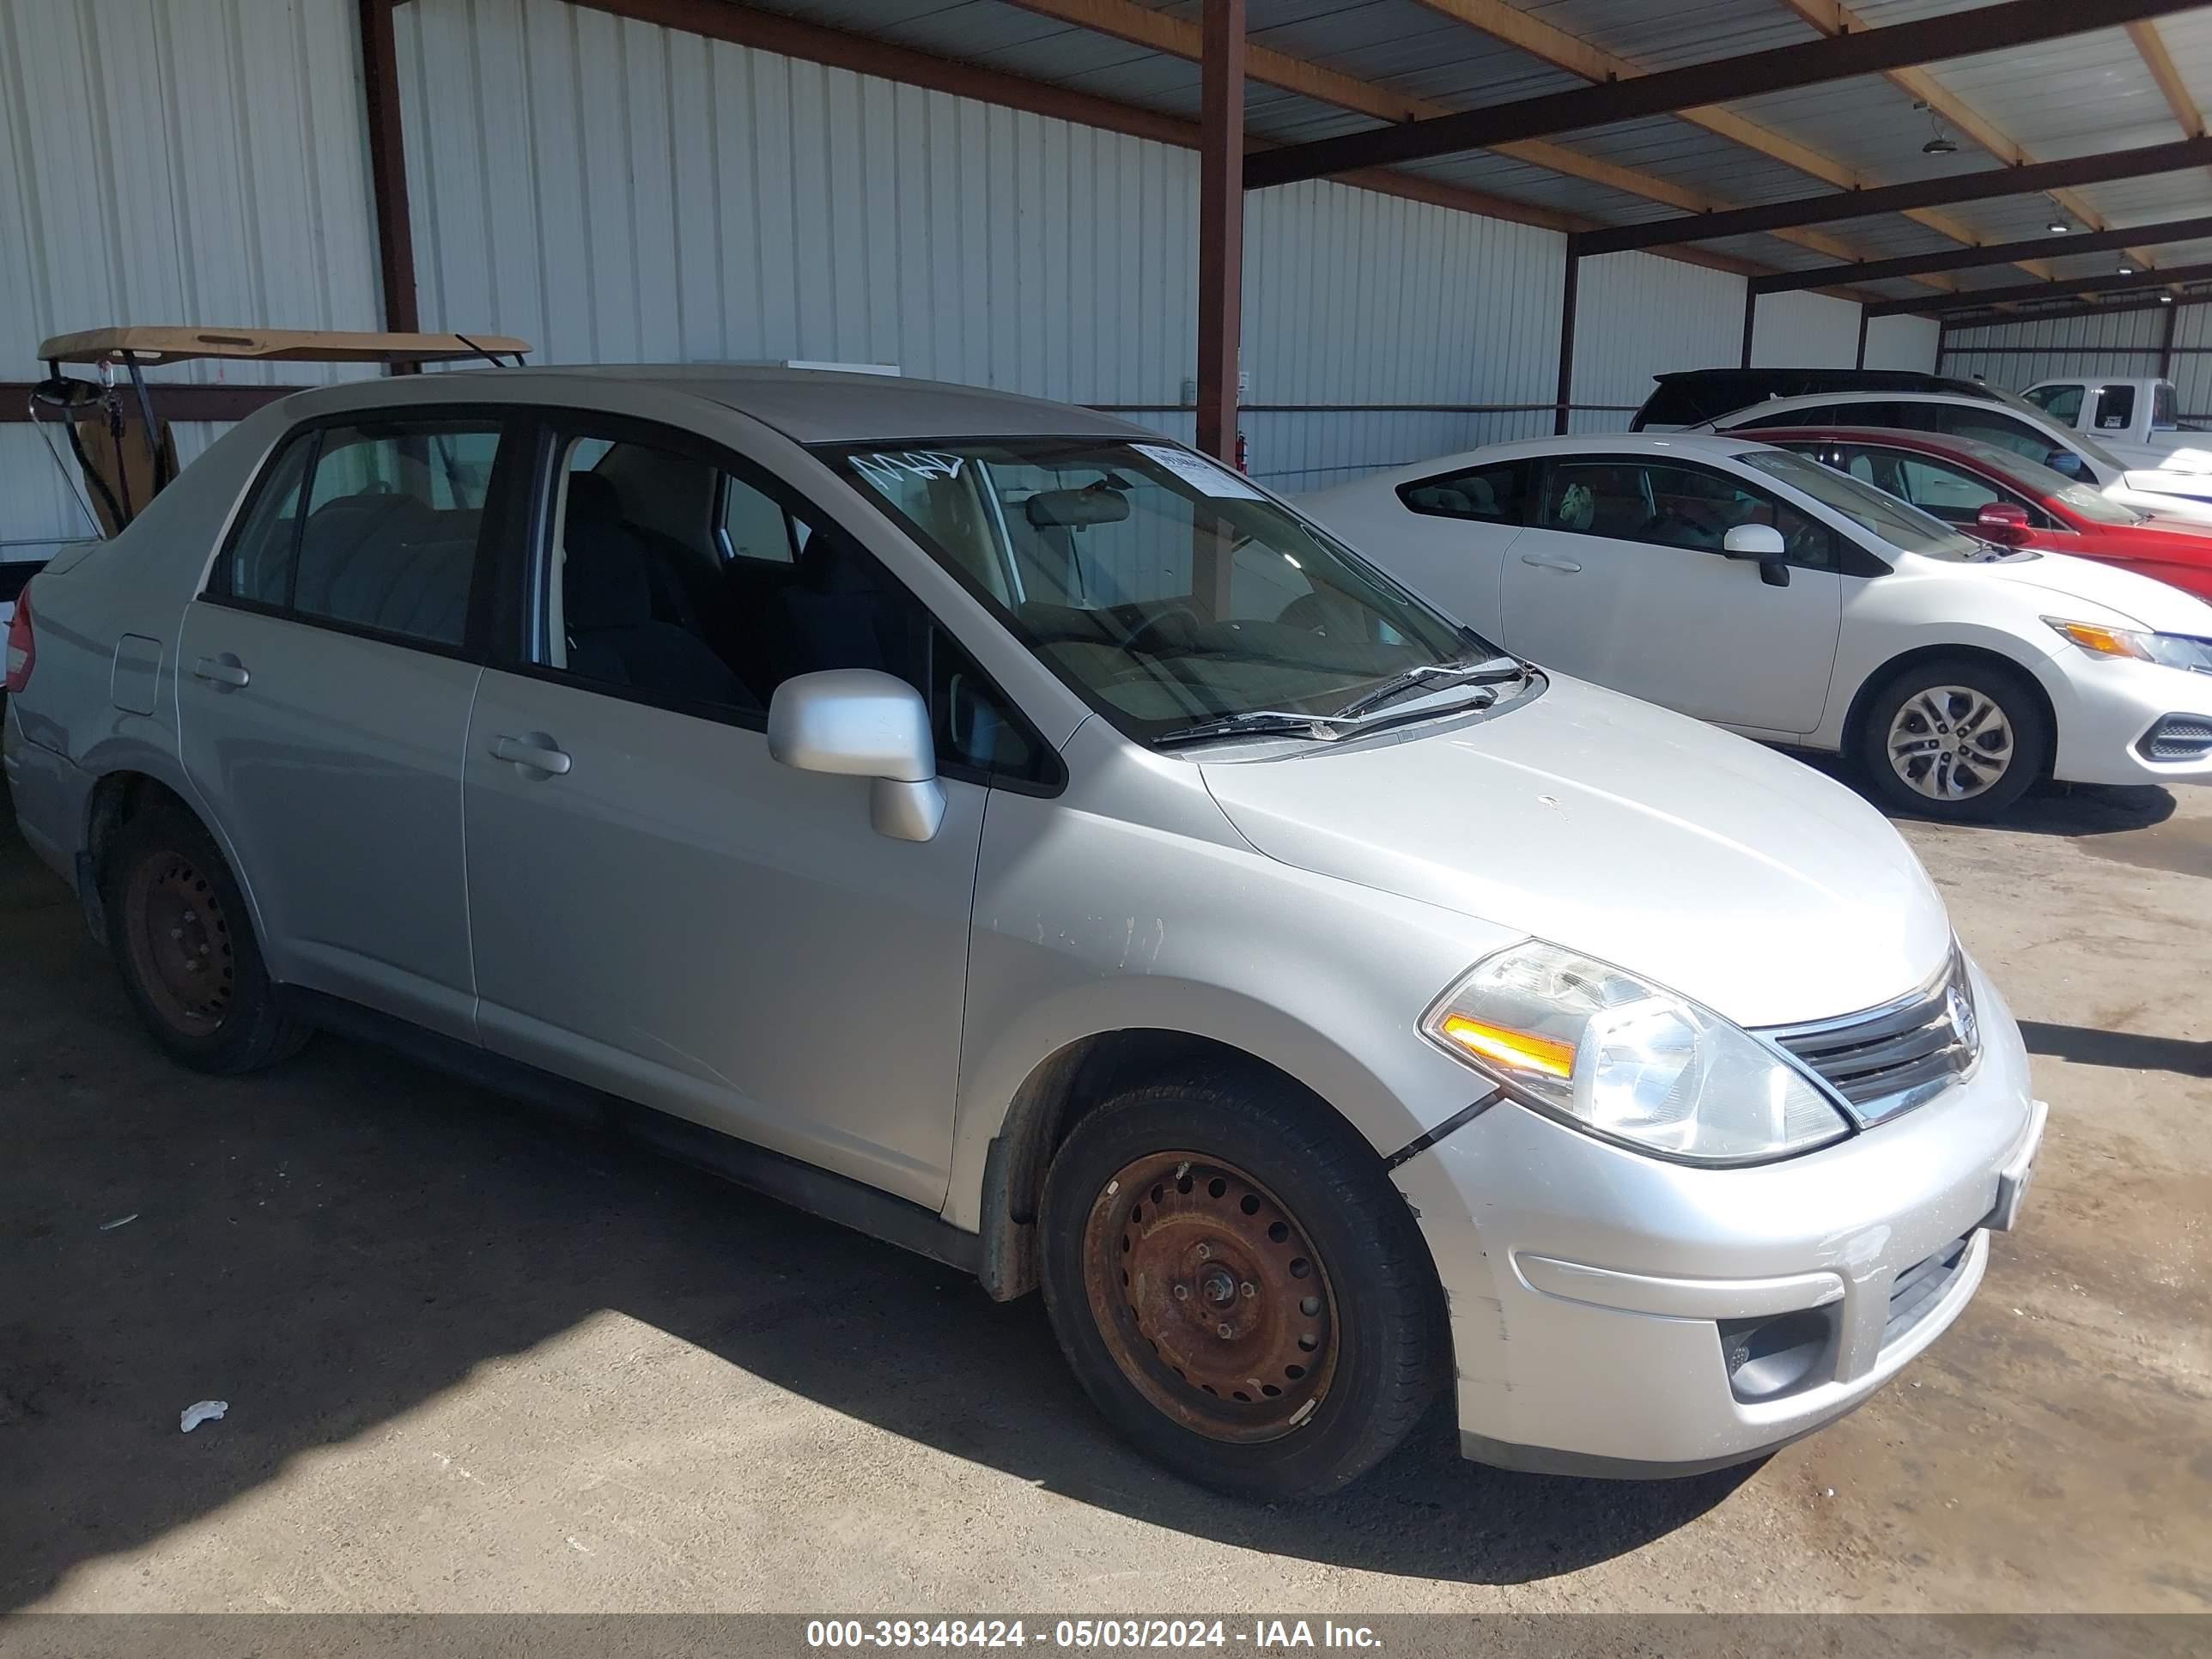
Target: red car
[(2007, 498)]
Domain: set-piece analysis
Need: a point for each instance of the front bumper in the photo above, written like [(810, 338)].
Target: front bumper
[(1612, 1314), (2111, 713)]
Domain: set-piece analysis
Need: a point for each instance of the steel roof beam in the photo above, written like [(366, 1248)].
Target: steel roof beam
[(1979, 298), (1781, 69), (2035, 178), (1993, 253)]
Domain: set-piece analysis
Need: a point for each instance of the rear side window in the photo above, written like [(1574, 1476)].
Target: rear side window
[(2116, 408), (1489, 495), (372, 526), (2061, 403)]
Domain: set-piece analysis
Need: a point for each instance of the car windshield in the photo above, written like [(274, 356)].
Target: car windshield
[(1165, 589), (1899, 523)]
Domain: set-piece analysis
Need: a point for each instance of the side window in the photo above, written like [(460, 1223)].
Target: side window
[(674, 580), (2116, 408), (388, 540), (755, 525), (1993, 426), (1948, 492), (258, 566), (2062, 403), (1490, 494), (1696, 510), (2162, 417), (1843, 414)]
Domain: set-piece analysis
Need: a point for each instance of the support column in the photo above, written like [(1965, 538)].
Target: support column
[(1566, 396), (1220, 225), (2166, 341), (1863, 320), (387, 168), (1750, 319)]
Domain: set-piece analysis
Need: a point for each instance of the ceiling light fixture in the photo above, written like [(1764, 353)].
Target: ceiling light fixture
[(2058, 228), (1942, 143), (2166, 299), (2127, 271)]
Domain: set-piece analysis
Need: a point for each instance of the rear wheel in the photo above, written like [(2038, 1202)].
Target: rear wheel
[(1239, 1288), (1955, 739), (178, 929)]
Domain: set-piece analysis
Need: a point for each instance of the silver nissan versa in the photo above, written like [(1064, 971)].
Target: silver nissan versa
[(996, 827)]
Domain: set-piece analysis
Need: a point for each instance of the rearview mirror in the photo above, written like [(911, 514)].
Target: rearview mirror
[(2001, 521), (857, 723), (1074, 509), (1758, 543)]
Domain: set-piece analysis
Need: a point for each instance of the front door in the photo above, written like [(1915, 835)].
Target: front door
[(1622, 580), (661, 909), (323, 686)]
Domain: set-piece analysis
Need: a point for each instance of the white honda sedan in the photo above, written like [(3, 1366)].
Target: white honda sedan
[(1770, 595)]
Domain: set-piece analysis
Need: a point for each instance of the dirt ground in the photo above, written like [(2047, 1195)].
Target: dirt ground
[(478, 1360)]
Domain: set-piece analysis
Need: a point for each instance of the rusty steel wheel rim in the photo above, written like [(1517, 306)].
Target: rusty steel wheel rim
[(1210, 1297), (180, 940)]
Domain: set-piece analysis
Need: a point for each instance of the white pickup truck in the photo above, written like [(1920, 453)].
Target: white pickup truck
[(2123, 414)]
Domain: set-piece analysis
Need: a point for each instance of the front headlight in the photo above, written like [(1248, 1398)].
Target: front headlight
[(2174, 650), (1607, 1053)]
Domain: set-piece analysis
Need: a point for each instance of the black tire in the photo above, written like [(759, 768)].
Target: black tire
[(1369, 1291), (1913, 694), (172, 902)]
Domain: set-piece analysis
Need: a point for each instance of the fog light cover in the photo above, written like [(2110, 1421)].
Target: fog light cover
[(1623, 1060)]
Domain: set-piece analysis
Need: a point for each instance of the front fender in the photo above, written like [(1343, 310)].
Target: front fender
[(1088, 923)]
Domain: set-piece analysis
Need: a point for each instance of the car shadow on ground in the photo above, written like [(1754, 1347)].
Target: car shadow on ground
[(333, 1244), (2125, 1050), (2048, 809)]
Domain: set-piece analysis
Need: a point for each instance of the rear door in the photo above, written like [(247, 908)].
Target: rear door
[(1465, 521), (326, 679), (1622, 580)]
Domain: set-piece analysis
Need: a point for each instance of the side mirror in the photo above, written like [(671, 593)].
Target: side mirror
[(2001, 521), (857, 723), (1761, 545)]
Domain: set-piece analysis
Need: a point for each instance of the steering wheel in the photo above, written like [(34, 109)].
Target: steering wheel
[(1150, 624)]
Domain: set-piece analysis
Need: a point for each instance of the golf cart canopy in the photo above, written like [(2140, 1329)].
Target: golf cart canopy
[(150, 346), (122, 471)]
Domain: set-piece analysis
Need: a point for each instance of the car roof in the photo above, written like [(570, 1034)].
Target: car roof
[(1815, 399), (1703, 445), (808, 405)]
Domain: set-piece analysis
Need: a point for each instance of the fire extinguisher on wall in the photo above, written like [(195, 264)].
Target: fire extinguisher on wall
[(1243, 455)]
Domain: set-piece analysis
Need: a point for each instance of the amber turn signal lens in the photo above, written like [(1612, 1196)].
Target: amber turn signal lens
[(1520, 1051)]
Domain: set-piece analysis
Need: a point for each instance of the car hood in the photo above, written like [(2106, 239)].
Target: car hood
[(2130, 596), (1697, 860)]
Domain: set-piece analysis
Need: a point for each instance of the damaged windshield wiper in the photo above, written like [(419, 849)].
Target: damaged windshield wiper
[(1321, 728), (1488, 672)]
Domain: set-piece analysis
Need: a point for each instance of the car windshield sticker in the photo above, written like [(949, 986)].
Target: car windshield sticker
[(1202, 475)]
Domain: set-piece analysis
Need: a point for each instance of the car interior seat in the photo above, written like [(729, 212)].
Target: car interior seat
[(607, 595)]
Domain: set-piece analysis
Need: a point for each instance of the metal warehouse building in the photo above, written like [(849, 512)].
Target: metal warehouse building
[(1010, 195)]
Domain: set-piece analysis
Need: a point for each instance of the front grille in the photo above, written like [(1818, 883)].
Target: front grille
[(1921, 1286), (2177, 738), (1888, 1059)]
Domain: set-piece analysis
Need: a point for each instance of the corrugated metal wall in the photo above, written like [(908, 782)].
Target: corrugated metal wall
[(1803, 330), (2122, 343), (826, 215), (1903, 342), (1638, 315), (172, 161)]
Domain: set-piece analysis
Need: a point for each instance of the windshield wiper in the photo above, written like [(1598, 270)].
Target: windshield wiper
[(1485, 672), (1321, 728)]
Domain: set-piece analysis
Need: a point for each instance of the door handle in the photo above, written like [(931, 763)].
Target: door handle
[(225, 670), (1549, 561), (537, 757)]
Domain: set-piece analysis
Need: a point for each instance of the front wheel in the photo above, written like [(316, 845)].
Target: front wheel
[(1239, 1288), (1955, 739)]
